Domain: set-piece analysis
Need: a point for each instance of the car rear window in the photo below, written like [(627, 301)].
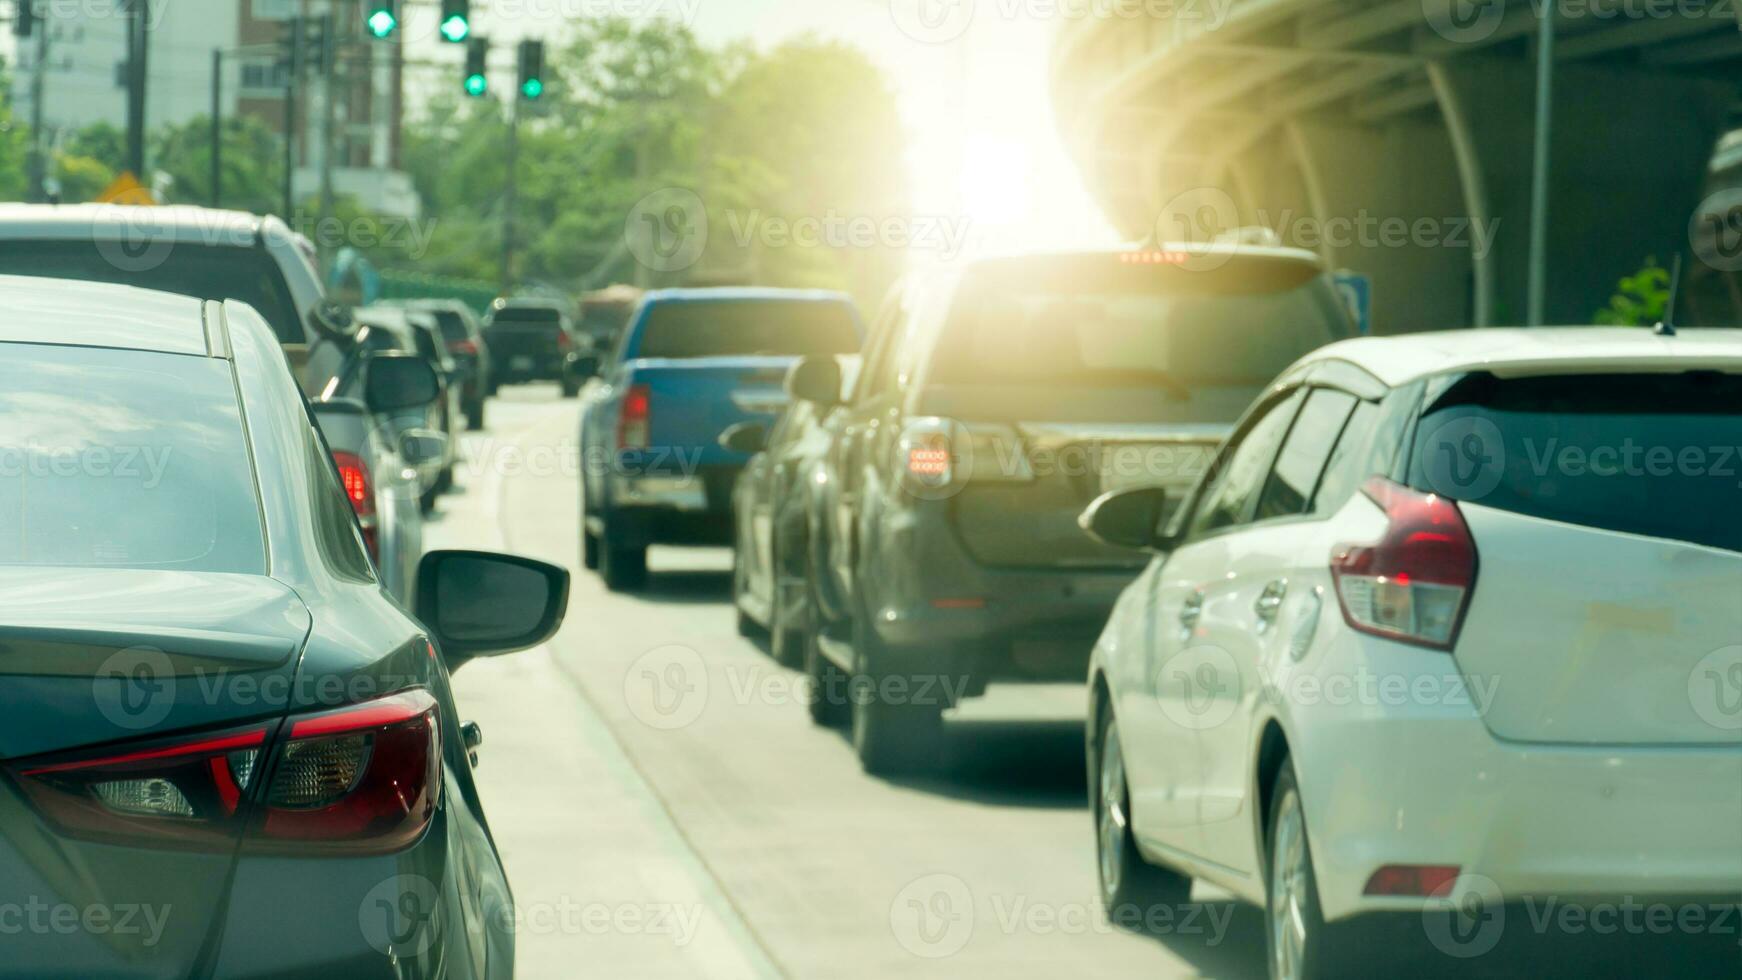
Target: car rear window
[(1650, 454), (1097, 320), (527, 316), (700, 328), (217, 272), (124, 458), (452, 324)]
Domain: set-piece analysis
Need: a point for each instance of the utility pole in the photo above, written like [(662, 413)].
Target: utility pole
[(138, 53), (38, 89), (509, 192), (329, 83), (1538, 281), (290, 83), (217, 127)]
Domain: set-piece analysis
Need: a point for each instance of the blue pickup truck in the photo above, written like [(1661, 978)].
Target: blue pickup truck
[(691, 364)]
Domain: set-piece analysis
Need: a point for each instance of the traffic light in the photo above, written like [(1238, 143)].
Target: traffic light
[(25, 18), (456, 23), (477, 83), (531, 69), (382, 18)]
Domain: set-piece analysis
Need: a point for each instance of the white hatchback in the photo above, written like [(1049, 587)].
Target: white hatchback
[(1452, 627)]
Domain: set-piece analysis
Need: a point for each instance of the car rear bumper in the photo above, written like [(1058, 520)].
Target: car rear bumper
[(1416, 783), (988, 624), (675, 509)]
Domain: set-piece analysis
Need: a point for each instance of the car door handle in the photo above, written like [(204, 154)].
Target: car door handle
[(1269, 603), (1190, 611)]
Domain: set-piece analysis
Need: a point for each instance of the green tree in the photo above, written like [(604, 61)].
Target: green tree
[(81, 178), (1640, 299), (252, 163), (14, 144)]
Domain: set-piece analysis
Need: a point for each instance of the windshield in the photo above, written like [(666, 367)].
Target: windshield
[(1094, 321), (453, 325), (728, 328), (221, 272), (124, 458), (526, 316)]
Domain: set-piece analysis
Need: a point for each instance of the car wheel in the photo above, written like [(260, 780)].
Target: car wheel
[(1130, 886), (623, 567), (475, 414), (570, 388), (444, 480), (589, 549), (1294, 926), (897, 717), (785, 641), (828, 697)]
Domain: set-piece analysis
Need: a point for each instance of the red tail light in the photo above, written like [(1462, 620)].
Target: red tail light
[(360, 490), (1414, 583), (632, 423), (366, 777), (463, 347), (1412, 879), (563, 340), (362, 778)]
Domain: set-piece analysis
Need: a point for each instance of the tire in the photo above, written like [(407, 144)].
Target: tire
[(1130, 886), (475, 414), (746, 626), (828, 698), (570, 388), (589, 540), (623, 567), (444, 481), (1291, 891), (785, 642), (894, 733)]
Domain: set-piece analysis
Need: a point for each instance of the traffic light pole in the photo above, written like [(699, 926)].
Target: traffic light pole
[(217, 194), (290, 112), (38, 89), (509, 192), (138, 51), (329, 84)]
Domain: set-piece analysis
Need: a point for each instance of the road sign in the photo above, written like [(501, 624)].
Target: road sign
[(125, 189), (1356, 291)]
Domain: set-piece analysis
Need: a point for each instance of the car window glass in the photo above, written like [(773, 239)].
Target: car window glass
[(1351, 462), (336, 529), (1304, 453), (124, 458), (879, 370), (1242, 470)]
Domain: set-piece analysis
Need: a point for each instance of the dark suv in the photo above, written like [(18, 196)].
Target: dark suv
[(994, 404), (534, 340)]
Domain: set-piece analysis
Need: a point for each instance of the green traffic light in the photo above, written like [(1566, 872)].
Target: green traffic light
[(476, 85), (532, 88), (456, 29), (382, 23)]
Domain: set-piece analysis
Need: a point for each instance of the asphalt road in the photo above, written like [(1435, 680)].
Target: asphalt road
[(666, 809)]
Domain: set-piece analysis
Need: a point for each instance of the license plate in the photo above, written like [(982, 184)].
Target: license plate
[(520, 363)]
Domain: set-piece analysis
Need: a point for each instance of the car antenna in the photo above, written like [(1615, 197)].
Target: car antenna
[(1666, 326)]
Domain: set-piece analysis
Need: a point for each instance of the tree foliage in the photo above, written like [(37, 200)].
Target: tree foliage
[(1640, 299), (807, 130)]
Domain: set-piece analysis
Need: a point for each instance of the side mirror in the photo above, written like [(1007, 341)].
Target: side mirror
[(748, 438), (815, 379), (332, 321), (394, 381), (420, 446), (1126, 518), (481, 604)]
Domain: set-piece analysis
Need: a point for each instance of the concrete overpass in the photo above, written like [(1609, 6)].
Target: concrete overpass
[(1395, 136)]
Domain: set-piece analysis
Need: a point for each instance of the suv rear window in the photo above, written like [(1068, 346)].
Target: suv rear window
[(1650, 454), (219, 272), (727, 328), (453, 325), (526, 316), (124, 458), (1095, 320)]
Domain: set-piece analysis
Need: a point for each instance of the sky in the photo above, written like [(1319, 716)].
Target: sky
[(971, 77)]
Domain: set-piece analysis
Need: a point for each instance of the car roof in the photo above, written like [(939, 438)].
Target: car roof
[(182, 223), (728, 294), (77, 313), (1520, 351)]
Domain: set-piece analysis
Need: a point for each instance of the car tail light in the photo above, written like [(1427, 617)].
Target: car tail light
[(563, 340), (633, 421), (464, 347), (365, 777), (360, 778), (928, 453), (178, 793), (360, 491), (1414, 583)]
